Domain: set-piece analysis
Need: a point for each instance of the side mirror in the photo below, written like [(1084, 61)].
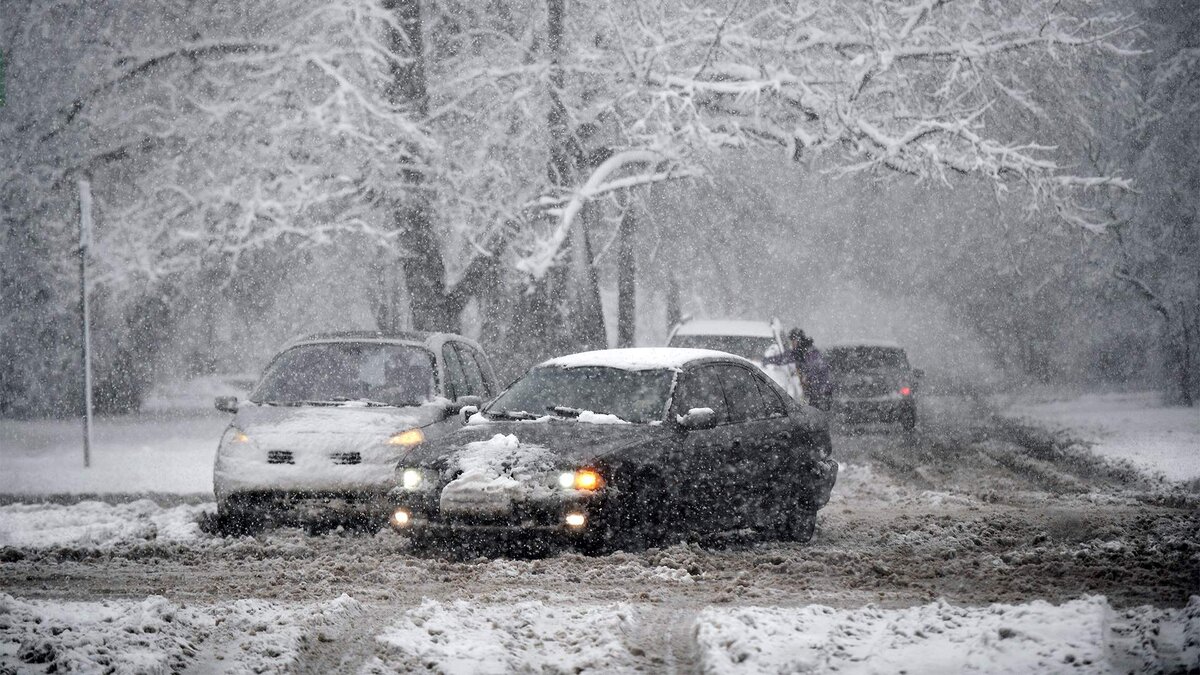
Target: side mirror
[(455, 406), (467, 411), (697, 419), (918, 373), (227, 404)]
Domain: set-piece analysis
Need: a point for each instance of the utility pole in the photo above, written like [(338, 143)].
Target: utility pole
[(85, 240)]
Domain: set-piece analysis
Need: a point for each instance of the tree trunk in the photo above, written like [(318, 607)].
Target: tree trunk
[(422, 263), (674, 306), (626, 279)]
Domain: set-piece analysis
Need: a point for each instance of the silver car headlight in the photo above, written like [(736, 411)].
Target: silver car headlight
[(417, 480)]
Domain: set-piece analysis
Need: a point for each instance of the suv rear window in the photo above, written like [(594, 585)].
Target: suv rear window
[(745, 346), (856, 359)]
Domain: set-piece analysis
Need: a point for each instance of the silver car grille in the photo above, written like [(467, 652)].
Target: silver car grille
[(280, 457), (346, 457)]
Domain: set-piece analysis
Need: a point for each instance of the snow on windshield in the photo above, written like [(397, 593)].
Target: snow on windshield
[(349, 372), (745, 346), (637, 396)]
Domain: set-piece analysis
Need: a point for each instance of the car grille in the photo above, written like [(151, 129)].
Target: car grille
[(346, 457), (280, 457)]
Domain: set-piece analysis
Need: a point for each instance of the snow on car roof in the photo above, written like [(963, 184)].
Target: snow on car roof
[(637, 358), (726, 327), (847, 344)]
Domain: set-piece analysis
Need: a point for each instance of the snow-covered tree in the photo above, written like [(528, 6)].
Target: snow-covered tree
[(1158, 255)]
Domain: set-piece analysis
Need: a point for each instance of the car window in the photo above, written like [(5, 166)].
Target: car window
[(741, 393), (701, 388), (772, 402), (746, 346), (864, 358), (474, 376), (345, 372), (637, 396), (456, 381)]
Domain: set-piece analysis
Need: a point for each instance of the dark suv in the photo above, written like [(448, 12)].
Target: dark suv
[(873, 382)]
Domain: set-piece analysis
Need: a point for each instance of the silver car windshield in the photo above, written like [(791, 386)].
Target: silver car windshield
[(341, 373), (638, 396)]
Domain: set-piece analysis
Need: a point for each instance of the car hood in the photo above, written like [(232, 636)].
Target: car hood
[(560, 442), (267, 422)]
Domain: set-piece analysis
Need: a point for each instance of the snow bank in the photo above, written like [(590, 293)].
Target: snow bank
[(636, 358), (1131, 426), (130, 454), (467, 637), (1085, 635), (96, 525), (157, 636)]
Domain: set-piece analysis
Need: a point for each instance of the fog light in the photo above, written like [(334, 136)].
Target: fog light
[(576, 520), (566, 480), (401, 517)]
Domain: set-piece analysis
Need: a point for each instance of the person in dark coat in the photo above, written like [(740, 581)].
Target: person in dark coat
[(815, 374)]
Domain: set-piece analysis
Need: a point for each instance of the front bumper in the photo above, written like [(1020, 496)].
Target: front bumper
[(294, 507), (543, 515)]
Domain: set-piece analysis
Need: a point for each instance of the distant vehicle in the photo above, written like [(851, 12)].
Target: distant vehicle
[(318, 440), (873, 381), (623, 447), (751, 340)]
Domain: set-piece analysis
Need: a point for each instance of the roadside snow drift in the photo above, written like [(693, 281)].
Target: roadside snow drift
[(1082, 636), (466, 637), (96, 525), (156, 635)]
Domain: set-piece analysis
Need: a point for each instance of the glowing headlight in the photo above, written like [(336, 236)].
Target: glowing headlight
[(582, 479), (412, 479), (235, 435), (408, 438)]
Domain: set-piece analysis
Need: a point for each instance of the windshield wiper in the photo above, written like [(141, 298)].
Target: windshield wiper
[(565, 411), (365, 401), (512, 414)]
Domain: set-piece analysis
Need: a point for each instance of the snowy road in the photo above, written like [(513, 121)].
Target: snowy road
[(924, 533)]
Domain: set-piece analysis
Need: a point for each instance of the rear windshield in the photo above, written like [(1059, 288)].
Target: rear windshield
[(853, 359), (637, 396), (747, 347), (347, 372)]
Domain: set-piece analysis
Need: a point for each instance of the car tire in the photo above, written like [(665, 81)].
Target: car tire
[(235, 520), (908, 418)]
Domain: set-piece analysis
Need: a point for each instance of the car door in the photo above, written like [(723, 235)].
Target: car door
[(698, 463), (746, 469)]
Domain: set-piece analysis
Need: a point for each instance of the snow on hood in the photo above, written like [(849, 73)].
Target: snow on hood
[(567, 443), (494, 472), (637, 358)]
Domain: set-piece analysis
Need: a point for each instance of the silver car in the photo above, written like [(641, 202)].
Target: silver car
[(318, 441)]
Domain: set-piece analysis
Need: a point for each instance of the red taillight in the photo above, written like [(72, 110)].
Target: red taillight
[(905, 391)]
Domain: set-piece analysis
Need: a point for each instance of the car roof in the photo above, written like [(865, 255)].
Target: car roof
[(740, 327), (640, 358)]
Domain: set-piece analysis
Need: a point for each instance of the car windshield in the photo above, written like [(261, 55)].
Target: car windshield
[(858, 359), (637, 396), (338, 373), (745, 346)]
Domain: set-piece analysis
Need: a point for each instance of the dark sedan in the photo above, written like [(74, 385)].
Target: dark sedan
[(625, 447)]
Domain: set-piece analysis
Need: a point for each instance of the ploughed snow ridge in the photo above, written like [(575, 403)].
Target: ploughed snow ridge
[(1082, 636), (635, 358)]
